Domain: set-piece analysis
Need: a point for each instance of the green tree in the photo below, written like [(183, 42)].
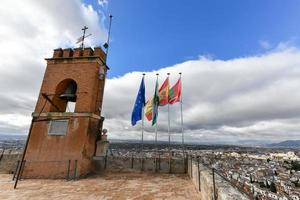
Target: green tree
[(267, 184), (251, 180), (273, 187), (296, 166)]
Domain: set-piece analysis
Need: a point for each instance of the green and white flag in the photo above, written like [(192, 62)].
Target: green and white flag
[(155, 104)]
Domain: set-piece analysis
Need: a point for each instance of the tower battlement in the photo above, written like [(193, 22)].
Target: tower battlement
[(78, 53)]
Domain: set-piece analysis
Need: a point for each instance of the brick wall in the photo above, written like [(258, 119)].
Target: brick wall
[(47, 155)]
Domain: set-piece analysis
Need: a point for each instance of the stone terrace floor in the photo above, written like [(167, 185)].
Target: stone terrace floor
[(105, 187)]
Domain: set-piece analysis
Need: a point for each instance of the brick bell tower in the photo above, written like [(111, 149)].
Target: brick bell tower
[(67, 119)]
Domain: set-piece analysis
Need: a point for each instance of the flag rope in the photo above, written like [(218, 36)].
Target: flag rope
[(143, 117), (169, 147), (181, 115), (156, 113)]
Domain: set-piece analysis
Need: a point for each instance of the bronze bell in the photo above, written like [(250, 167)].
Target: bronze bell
[(70, 93)]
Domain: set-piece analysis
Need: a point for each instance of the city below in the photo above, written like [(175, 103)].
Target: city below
[(270, 172)]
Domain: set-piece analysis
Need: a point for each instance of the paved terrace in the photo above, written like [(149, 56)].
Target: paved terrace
[(115, 186)]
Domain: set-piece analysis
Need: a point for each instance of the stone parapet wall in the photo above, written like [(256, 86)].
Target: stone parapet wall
[(133, 164), (34, 169), (202, 178), (8, 163)]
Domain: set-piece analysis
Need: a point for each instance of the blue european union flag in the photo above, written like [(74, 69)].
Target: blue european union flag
[(139, 104)]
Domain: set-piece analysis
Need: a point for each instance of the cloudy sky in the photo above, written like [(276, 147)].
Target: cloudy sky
[(240, 64)]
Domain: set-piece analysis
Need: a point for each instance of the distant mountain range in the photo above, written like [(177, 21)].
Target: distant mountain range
[(286, 144), (253, 143), (12, 137), (245, 143)]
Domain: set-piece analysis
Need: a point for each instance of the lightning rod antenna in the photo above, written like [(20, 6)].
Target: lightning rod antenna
[(106, 45)]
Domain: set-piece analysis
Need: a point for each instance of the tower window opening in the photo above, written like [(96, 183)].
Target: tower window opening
[(65, 98), (71, 106)]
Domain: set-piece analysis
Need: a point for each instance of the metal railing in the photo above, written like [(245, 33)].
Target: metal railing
[(159, 157), (214, 171), (67, 169)]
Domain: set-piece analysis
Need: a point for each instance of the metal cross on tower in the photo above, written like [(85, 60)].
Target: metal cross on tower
[(81, 39)]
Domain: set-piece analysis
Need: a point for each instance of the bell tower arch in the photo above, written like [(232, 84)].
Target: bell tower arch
[(58, 135), (65, 93)]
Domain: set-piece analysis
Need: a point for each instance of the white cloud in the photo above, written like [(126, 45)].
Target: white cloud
[(224, 100), (265, 44), (246, 98), (103, 3), (29, 32)]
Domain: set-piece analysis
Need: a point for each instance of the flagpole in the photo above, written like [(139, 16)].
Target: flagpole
[(143, 117), (169, 128), (108, 36), (143, 130), (156, 149), (182, 135)]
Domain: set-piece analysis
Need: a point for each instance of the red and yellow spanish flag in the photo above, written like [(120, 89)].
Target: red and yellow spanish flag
[(149, 109), (163, 93), (175, 92)]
